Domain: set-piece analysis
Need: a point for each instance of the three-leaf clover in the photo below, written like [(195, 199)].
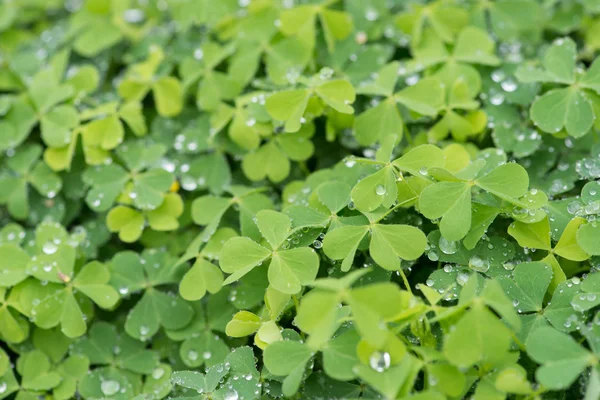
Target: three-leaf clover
[(119, 361), (290, 106), (24, 169), (200, 341), (289, 268), (300, 21), (131, 273), (562, 358), (143, 77), (450, 198), (204, 276), (571, 107), (426, 97)]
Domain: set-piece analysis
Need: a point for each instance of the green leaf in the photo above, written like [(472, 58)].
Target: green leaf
[(168, 96), (588, 237), (202, 277), (535, 235), (563, 108), (426, 97), (528, 285), (282, 358), (291, 269), (567, 246), (390, 243), (240, 255), (274, 226), (288, 106), (375, 190), (450, 201), (508, 181), (562, 358), (338, 94), (477, 337)]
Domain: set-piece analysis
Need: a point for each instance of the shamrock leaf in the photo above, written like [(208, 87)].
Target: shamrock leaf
[(94, 30), (450, 199), (204, 276), (290, 105), (272, 160), (472, 46), (14, 329), (212, 84), (141, 78), (300, 21), (572, 107), (25, 169), (588, 299), (425, 97), (380, 188), (200, 342), (446, 19), (289, 269), (209, 210), (510, 19), (562, 358), (119, 361), (130, 223), (131, 273)]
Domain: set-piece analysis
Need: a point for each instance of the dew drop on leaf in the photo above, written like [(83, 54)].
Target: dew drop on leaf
[(498, 75), (447, 246), (380, 190), (49, 247), (158, 373), (192, 355), (479, 264), (3, 387), (110, 387), (380, 361), (509, 85), (231, 395)]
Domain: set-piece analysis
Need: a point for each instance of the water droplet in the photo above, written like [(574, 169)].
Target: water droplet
[(317, 244), (134, 15), (158, 373), (515, 302), (462, 278), (231, 395), (380, 190), (192, 355), (429, 282), (371, 14), (479, 264), (110, 387), (412, 79), (509, 85), (198, 54), (380, 361), (49, 247), (497, 99), (498, 75), (144, 330), (447, 246), (3, 387), (207, 355), (447, 268)]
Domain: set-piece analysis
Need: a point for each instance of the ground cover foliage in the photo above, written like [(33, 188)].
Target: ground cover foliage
[(258, 199)]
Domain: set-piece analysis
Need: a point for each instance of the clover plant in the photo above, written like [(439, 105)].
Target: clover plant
[(304, 199)]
